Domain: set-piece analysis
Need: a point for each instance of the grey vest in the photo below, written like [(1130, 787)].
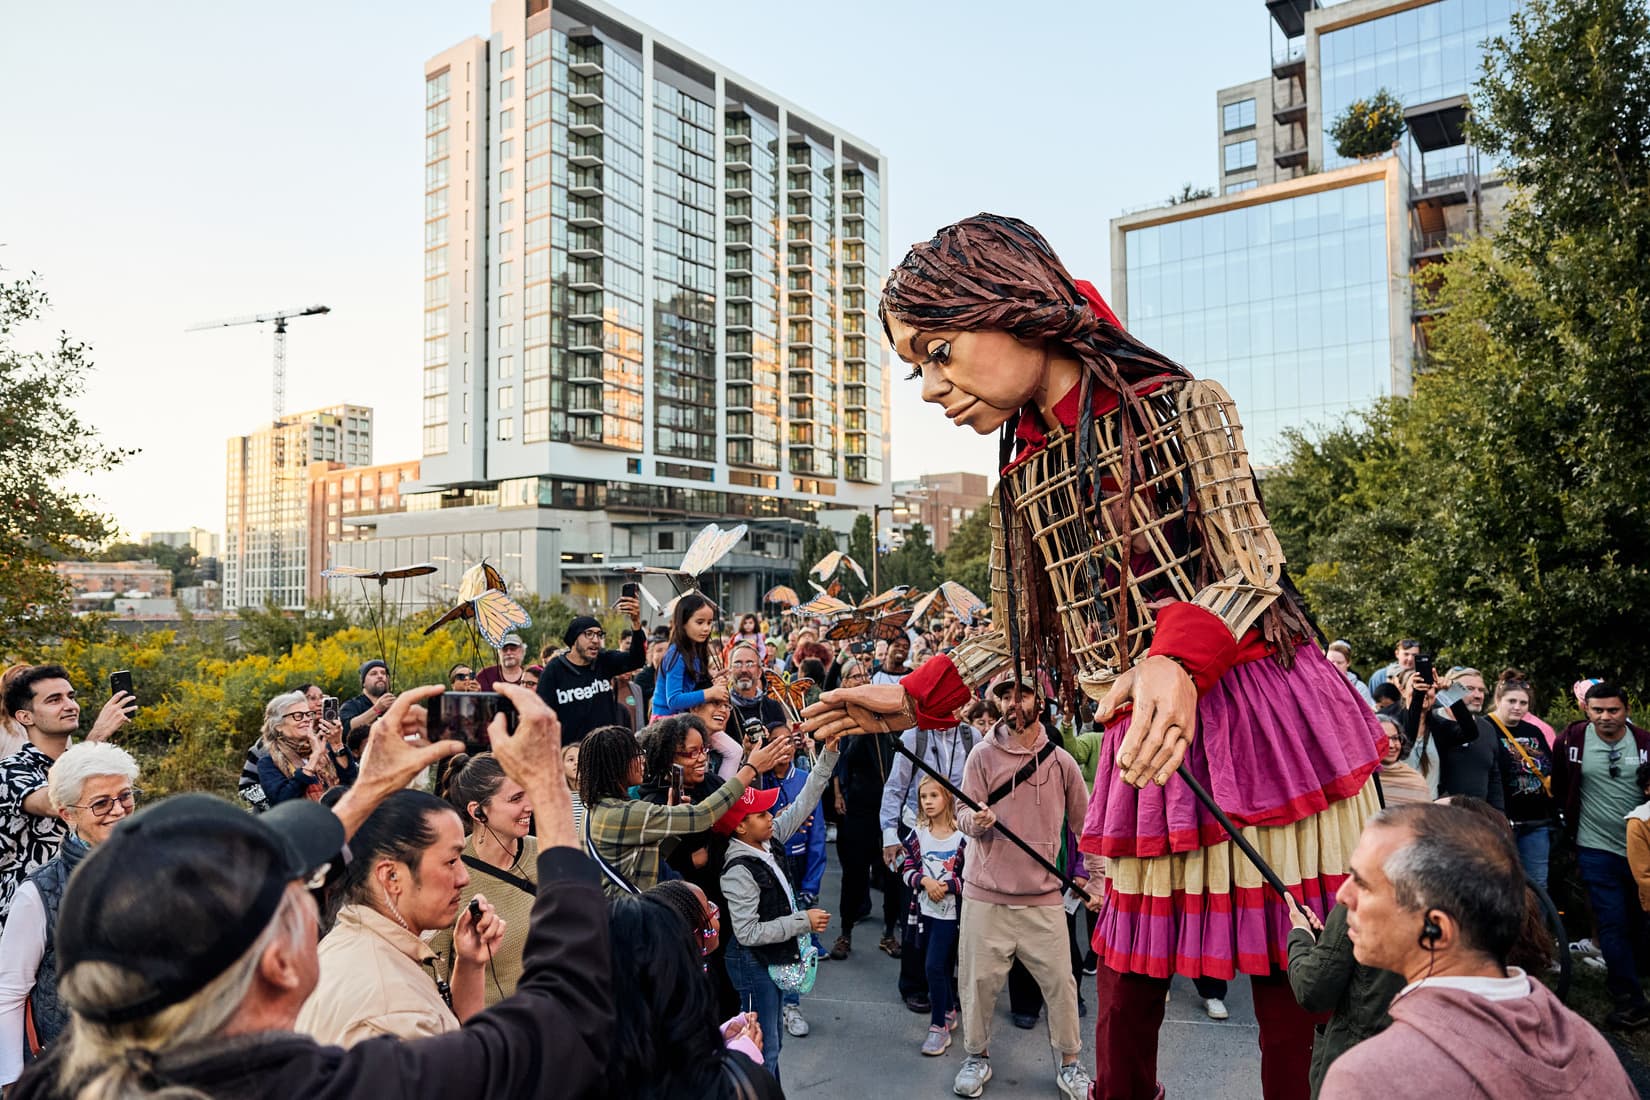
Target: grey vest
[(50, 1014)]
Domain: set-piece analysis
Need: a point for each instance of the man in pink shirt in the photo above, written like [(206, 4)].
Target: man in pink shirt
[(1011, 907)]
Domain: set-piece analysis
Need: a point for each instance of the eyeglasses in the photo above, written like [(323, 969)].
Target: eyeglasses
[(594, 632), (300, 715), (691, 754), (102, 807)]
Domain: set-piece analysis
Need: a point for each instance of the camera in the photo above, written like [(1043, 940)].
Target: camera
[(465, 715), (755, 733), (867, 646)]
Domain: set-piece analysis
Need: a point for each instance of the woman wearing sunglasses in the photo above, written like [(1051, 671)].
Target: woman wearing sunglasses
[(91, 789)]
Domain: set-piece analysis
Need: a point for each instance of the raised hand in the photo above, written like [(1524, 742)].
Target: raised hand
[(397, 750)]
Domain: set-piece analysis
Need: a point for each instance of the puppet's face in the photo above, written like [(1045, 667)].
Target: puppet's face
[(979, 378)]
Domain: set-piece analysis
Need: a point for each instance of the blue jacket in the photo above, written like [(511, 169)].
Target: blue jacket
[(678, 688), (809, 839)]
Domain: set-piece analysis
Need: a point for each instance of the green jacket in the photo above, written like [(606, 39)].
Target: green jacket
[(1085, 749), (1326, 978)]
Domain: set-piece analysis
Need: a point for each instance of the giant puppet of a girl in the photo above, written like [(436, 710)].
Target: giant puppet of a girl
[(1132, 558)]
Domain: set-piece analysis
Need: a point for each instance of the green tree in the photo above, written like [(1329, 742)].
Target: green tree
[(1369, 127), (967, 557), (1188, 193), (42, 440), (181, 560), (816, 543), (861, 545), (271, 631), (914, 563), (1501, 514)]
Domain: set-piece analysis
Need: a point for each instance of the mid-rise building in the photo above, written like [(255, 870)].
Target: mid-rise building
[(266, 541), (345, 504), (1293, 286), (202, 541), (940, 502), (650, 301), (107, 580)]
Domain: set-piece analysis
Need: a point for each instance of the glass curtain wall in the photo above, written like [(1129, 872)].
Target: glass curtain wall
[(810, 306), (543, 279), (437, 285), (684, 269), (1420, 55), (1284, 303)]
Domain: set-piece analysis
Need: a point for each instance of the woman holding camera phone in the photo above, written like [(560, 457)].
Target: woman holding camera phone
[(307, 755)]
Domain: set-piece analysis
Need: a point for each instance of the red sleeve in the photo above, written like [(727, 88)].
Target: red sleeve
[(936, 691), (1198, 639)]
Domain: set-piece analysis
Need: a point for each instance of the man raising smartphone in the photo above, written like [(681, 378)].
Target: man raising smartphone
[(578, 685)]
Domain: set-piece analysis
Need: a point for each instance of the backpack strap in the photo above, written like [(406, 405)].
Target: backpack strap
[(1026, 771)]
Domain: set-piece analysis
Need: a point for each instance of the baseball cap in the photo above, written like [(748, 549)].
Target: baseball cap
[(372, 664), (511, 639), (181, 890), (1028, 680), (751, 802)]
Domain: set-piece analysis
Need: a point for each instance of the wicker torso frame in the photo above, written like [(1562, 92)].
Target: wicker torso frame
[(1190, 459)]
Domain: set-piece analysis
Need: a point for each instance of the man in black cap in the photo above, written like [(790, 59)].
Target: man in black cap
[(579, 683), (361, 712), (186, 944)]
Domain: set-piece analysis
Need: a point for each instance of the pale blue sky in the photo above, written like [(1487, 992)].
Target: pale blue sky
[(178, 161)]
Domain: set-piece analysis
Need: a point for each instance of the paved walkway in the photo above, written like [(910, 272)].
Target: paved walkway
[(864, 1042)]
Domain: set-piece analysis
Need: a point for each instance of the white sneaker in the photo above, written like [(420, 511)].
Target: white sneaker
[(1216, 1008), (830, 834), (1585, 947), (794, 1023), (1073, 1082), (973, 1075)]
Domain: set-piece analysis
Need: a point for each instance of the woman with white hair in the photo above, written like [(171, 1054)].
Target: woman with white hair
[(91, 788), (307, 756)]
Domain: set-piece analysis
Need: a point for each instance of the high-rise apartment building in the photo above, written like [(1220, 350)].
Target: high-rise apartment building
[(650, 302), (1293, 286), (266, 540), (645, 271)]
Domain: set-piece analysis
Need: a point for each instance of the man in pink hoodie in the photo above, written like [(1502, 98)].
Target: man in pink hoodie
[(1011, 907), (1436, 894)]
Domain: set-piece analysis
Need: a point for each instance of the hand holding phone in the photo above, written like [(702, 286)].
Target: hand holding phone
[(119, 682), (1424, 672)]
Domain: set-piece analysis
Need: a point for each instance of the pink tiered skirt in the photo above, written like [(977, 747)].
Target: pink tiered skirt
[(1287, 754)]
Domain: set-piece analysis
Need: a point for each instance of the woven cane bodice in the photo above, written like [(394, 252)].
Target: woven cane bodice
[(1074, 512), (1196, 530)]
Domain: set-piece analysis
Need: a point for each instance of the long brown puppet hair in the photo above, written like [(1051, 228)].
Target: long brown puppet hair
[(992, 272)]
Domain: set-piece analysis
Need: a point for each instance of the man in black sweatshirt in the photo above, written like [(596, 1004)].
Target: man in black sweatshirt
[(578, 685)]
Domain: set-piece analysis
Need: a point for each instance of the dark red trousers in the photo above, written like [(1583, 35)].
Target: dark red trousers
[(1129, 1014)]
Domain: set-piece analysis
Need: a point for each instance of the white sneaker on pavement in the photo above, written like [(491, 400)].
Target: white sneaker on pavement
[(971, 1079), (795, 1024), (1216, 1008), (1073, 1082)]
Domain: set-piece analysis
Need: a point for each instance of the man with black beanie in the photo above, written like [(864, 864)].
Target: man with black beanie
[(578, 685)]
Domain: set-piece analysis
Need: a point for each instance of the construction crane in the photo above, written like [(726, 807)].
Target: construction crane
[(279, 320), (276, 568)]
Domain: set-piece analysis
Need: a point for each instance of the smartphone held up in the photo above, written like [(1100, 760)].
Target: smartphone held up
[(122, 681), (465, 715)]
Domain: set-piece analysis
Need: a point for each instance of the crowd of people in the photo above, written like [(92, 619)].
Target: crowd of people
[(658, 795)]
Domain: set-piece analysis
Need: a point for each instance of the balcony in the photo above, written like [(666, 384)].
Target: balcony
[(1290, 61), (584, 248), (1290, 113), (585, 186), (585, 154), (584, 123), (584, 279), (586, 66), (738, 185), (1292, 157), (737, 158), (585, 339), (585, 217), (852, 188), (1290, 15)]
